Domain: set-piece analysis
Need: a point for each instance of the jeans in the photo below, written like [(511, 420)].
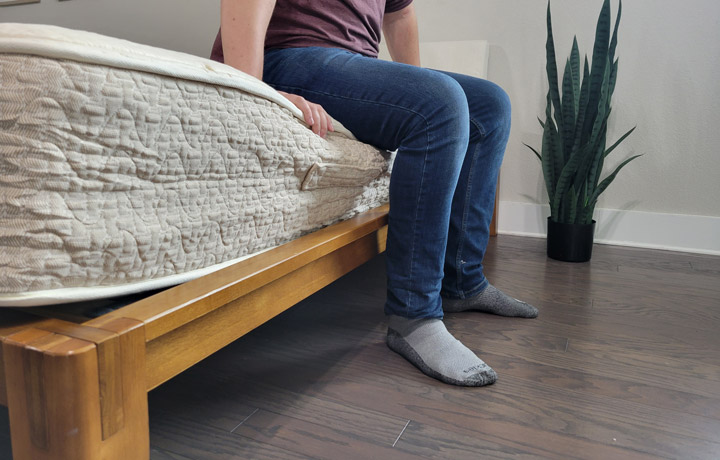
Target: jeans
[(450, 132)]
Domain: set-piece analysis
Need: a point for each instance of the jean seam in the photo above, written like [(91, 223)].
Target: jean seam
[(478, 289), (463, 227), (479, 127), (417, 204)]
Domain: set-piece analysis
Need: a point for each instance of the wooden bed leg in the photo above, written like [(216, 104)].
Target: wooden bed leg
[(55, 388)]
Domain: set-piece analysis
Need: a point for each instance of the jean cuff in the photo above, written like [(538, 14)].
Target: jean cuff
[(466, 294)]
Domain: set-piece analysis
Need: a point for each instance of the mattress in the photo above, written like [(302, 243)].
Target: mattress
[(126, 168)]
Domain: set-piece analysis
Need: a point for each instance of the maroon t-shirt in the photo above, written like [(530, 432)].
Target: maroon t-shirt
[(353, 25)]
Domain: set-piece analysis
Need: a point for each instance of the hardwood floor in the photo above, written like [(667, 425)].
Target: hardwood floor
[(622, 363)]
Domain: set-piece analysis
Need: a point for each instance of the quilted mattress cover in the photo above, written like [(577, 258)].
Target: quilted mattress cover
[(126, 168)]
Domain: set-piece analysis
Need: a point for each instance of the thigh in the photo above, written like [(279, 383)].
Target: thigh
[(382, 103)]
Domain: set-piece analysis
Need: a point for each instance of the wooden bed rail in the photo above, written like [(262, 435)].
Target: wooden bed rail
[(186, 324), (167, 310), (78, 390)]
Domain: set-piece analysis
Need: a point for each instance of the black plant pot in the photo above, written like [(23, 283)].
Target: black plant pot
[(570, 242)]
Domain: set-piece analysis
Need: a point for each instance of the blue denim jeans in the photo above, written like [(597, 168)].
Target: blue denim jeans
[(450, 132)]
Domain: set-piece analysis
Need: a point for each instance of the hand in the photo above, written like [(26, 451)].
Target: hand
[(315, 116)]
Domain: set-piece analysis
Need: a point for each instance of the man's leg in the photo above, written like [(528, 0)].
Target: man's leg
[(424, 115), (464, 285)]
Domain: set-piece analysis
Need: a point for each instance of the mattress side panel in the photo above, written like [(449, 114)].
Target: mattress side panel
[(111, 176)]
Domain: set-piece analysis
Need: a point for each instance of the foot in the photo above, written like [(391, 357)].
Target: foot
[(491, 300), (428, 345)]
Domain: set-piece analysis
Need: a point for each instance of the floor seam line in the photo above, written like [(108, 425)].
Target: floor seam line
[(244, 420), (401, 433)]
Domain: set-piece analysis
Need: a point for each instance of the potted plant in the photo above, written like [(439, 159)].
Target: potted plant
[(574, 139)]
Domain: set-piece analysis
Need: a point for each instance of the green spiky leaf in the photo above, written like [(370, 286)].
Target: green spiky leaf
[(537, 154), (599, 65), (575, 125), (552, 72), (613, 76), (569, 111), (608, 180), (575, 67), (614, 40), (551, 158), (602, 111), (622, 138), (572, 205), (566, 177), (582, 106), (593, 174)]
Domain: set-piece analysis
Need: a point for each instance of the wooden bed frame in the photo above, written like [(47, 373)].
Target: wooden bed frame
[(76, 388)]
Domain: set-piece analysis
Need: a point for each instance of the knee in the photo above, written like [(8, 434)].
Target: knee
[(436, 107), (498, 109), (449, 95), (446, 103), (502, 105)]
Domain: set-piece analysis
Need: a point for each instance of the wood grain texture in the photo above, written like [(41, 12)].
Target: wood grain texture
[(45, 419), (316, 440), (128, 375), (233, 395), (621, 363), (587, 379), (109, 366), (427, 441), (197, 441), (173, 308), (74, 391), (160, 454), (12, 321), (184, 346), (114, 345)]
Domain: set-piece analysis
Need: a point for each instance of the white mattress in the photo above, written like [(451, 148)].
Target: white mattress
[(126, 168)]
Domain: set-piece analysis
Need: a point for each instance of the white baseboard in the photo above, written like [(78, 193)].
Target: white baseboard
[(675, 232)]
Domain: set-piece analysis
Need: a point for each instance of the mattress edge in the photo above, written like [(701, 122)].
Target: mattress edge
[(92, 48), (81, 294)]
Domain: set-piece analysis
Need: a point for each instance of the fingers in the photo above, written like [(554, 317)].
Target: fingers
[(316, 125), (313, 114), (316, 117), (321, 120), (306, 109), (325, 121)]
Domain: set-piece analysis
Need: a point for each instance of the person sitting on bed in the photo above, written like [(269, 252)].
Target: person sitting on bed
[(450, 132)]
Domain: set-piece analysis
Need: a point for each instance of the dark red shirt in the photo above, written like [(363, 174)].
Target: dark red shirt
[(354, 25)]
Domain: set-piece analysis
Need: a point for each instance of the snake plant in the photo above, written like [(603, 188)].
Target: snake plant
[(575, 127)]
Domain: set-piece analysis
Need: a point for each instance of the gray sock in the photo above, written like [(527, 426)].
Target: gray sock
[(428, 345), (491, 300)]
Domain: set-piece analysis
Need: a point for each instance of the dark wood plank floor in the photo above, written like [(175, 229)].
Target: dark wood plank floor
[(622, 363)]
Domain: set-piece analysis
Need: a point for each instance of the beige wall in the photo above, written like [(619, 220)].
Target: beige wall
[(668, 86), (182, 25)]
